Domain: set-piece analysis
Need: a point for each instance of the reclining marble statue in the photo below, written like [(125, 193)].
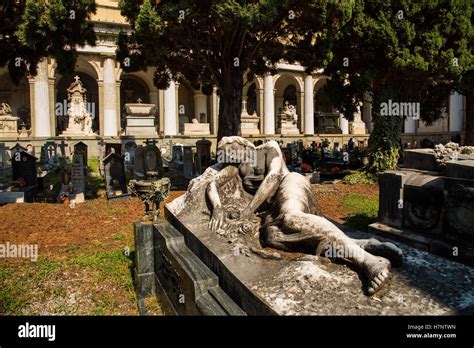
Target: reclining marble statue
[(288, 213)]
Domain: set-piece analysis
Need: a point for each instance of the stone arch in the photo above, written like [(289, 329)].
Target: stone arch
[(252, 92), (61, 99), (17, 96), (185, 104), (281, 85), (321, 99)]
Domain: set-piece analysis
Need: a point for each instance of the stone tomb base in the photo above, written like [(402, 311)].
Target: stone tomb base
[(234, 272)]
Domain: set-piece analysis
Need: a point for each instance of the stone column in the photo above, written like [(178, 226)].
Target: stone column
[(170, 118), (261, 110), (153, 95), (301, 112), (214, 110), (410, 125), (308, 105), (343, 124), (110, 99), (117, 104), (456, 112), (100, 86), (200, 106), (42, 109), (269, 105), (52, 109), (31, 82)]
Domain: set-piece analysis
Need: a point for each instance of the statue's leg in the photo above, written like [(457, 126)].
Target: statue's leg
[(385, 249), (297, 230)]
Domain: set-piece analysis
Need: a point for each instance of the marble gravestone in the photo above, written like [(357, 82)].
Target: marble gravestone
[(177, 157), (80, 149), (188, 161), (428, 206), (3, 157), (261, 281), (50, 153), (78, 179), (147, 162), (140, 119), (129, 155), (115, 178), (17, 148), (203, 150), (24, 174)]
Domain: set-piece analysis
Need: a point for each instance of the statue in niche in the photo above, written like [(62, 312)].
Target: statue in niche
[(80, 119), (279, 208), (5, 109), (289, 113)]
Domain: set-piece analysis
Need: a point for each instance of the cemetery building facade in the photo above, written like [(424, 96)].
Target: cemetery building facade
[(270, 103)]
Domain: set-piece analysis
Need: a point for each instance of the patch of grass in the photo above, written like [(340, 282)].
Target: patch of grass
[(360, 178), (364, 210), (103, 278), (17, 280), (94, 164)]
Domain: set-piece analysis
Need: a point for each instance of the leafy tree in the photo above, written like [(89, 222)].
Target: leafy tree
[(406, 51), (33, 29), (224, 43)]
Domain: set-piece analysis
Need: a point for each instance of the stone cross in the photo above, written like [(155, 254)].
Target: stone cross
[(139, 100), (63, 147), (244, 105), (76, 78)]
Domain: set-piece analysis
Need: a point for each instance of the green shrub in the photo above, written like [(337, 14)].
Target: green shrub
[(360, 178)]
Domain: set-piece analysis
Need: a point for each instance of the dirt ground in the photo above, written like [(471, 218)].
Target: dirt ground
[(85, 262)]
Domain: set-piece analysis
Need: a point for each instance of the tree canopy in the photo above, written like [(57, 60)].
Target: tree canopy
[(33, 29), (214, 43), (406, 51)]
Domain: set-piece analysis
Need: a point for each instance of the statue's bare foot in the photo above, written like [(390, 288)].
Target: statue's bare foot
[(377, 271), (385, 249)]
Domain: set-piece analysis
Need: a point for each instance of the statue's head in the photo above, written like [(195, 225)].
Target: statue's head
[(235, 149)]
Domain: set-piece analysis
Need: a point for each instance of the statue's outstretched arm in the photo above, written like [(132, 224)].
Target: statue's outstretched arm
[(224, 175), (268, 187)]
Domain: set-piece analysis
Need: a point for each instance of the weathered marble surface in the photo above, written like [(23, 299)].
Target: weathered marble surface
[(286, 283)]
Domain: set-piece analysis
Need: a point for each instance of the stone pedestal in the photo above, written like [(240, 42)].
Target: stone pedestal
[(197, 129), (8, 122), (8, 126), (140, 119), (288, 120), (248, 123)]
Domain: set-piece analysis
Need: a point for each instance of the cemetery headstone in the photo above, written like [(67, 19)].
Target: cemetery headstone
[(78, 179), (17, 148), (24, 174), (3, 156), (115, 179), (64, 149), (148, 163), (24, 168), (129, 154), (80, 149), (188, 162), (50, 149), (203, 148)]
